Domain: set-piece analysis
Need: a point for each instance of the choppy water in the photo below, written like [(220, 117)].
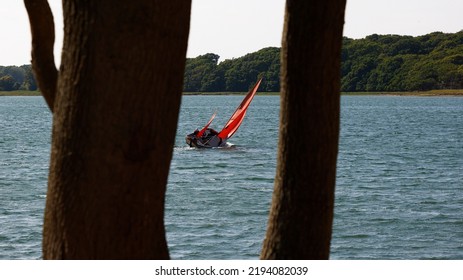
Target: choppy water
[(399, 186)]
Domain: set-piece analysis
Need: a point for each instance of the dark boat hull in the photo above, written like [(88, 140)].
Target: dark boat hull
[(204, 142)]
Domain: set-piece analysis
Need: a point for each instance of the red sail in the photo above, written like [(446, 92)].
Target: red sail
[(237, 118), (201, 132)]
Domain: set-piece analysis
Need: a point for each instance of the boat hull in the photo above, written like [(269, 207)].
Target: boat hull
[(203, 142)]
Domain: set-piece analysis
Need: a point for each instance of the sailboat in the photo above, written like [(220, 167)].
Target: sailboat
[(210, 138)]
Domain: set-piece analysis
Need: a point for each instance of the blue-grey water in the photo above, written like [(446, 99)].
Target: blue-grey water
[(399, 191)]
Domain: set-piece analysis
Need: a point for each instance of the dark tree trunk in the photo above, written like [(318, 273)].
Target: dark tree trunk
[(43, 39), (302, 208), (114, 123)]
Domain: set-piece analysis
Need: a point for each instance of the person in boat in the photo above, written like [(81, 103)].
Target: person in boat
[(209, 133)]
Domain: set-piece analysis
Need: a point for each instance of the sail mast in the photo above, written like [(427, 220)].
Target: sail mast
[(201, 132)]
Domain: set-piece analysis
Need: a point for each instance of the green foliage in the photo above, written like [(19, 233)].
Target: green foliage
[(201, 73), (402, 63), (376, 63), (17, 78), (205, 74), (7, 83)]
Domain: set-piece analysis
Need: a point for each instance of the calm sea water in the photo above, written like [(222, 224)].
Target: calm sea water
[(399, 191)]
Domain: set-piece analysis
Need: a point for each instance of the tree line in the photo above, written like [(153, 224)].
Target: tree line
[(205, 74), (17, 78), (374, 63), (402, 63)]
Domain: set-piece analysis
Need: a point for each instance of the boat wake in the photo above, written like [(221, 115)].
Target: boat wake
[(183, 148), (227, 145)]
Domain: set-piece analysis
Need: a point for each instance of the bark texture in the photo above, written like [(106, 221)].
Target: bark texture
[(114, 123), (43, 39), (301, 214)]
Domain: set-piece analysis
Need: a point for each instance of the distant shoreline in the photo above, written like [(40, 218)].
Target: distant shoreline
[(20, 93), (440, 92), (436, 92)]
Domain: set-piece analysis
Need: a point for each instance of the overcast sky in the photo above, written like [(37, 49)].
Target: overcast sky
[(235, 28)]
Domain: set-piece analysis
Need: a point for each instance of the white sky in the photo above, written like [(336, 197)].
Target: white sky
[(235, 28)]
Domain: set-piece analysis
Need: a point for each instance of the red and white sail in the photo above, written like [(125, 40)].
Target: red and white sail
[(201, 132), (237, 118)]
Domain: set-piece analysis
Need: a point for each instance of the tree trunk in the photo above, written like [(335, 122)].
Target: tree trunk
[(43, 39), (302, 207), (114, 124)]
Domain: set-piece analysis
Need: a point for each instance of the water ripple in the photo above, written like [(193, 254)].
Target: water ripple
[(399, 193)]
